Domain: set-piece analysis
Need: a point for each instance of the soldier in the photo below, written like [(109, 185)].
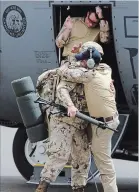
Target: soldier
[(67, 136), (78, 30), (100, 97)]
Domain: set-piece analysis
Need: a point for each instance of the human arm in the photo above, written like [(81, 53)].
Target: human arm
[(104, 26), (76, 75), (63, 90), (64, 33)]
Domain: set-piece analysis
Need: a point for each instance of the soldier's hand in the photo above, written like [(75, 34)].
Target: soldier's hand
[(60, 42), (72, 110), (68, 23), (99, 12), (76, 48)]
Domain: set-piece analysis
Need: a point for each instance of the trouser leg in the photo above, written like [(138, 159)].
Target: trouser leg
[(101, 149), (58, 150), (80, 159)]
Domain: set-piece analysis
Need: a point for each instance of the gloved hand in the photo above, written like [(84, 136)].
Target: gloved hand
[(99, 12)]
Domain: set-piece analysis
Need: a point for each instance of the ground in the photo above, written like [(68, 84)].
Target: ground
[(18, 184)]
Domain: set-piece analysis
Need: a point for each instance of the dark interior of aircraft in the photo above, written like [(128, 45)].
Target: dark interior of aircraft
[(109, 57)]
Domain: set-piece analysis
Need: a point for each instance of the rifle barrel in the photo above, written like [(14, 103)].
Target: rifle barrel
[(79, 115)]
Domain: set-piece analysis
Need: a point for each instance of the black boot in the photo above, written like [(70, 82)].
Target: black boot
[(42, 187)]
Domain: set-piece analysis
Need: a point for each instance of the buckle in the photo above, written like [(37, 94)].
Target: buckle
[(108, 119), (111, 118)]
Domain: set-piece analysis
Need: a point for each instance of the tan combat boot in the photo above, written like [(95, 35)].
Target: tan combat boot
[(78, 190), (43, 186)]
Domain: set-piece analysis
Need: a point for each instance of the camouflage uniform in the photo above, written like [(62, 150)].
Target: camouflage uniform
[(100, 97), (67, 136)]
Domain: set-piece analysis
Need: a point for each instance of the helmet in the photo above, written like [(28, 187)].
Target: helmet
[(88, 44)]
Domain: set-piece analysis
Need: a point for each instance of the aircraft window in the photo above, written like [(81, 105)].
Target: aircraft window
[(61, 13)]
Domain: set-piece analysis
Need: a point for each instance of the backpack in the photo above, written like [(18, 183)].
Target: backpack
[(46, 86)]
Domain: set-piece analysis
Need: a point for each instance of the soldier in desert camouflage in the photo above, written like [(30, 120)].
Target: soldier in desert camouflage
[(67, 136)]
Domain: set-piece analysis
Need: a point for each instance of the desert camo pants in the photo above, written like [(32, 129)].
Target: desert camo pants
[(67, 139), (101, 149)]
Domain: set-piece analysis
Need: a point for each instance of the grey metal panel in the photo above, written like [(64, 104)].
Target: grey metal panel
[(125, 22), (27, 55)]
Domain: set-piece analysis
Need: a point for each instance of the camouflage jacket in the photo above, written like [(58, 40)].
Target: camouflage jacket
[(70, 93)]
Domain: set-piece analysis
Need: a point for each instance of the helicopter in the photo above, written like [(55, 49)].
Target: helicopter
[(27, 48)]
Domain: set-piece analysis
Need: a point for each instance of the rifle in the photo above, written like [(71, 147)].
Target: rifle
[(78, 114)]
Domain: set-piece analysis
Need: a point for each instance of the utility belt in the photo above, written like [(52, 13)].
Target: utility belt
[(107, 119)]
